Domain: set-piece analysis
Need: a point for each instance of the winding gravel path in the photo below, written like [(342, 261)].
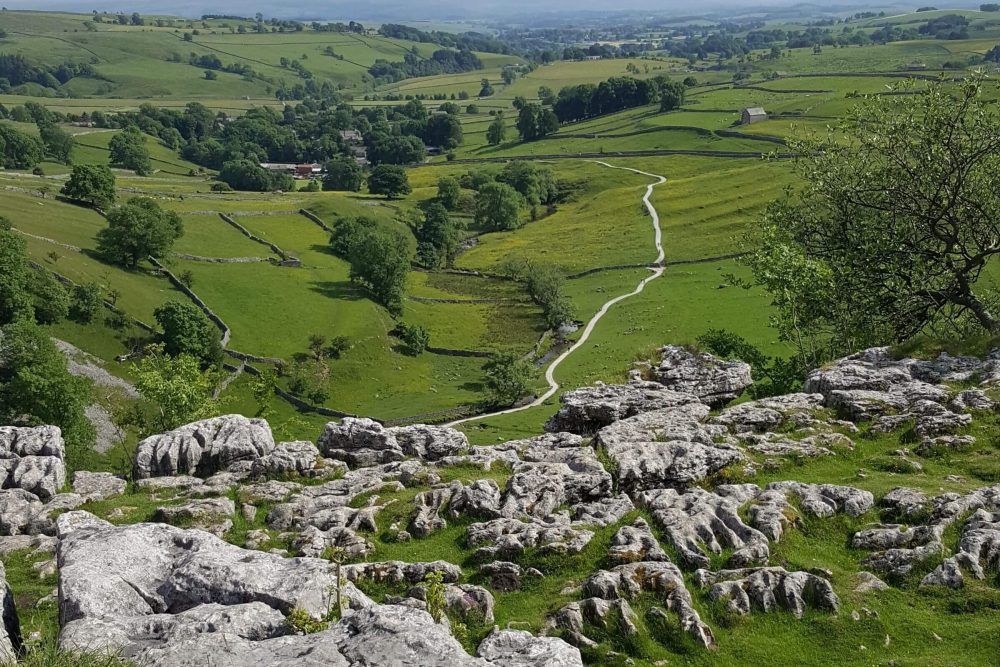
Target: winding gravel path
[(657, 271)]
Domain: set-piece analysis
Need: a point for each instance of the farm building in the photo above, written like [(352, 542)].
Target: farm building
[(753, 115), (351, 136), (296, 170)]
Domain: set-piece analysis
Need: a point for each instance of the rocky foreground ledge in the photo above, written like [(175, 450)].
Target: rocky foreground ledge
[(172, 592)]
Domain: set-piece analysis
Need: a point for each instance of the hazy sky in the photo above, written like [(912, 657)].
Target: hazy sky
[(388, 9)]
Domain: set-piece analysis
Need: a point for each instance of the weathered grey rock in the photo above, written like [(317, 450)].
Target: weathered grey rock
[(465, 601), (979, 546), (37, 544), (864, 404), (711, 379), (376, 635), (323, 505), (537, 489), (21, 512), (872, 370), (900, 548), (668, 447), (203, 448), (178, 483), (505, 576), (398, 635), (588, 409), (18, 441), (824, 500), (430, 443), (683, 423), (253, 621), (517, 648), (660, 578), (98, 485), (868, 583), (635, 543), (769, 589), (210, 514), (31, 458), (314, 542), (41, 475), (507, 538), (905, 502), (428, 508), (697, 522), (10, 628), (364, 442), (603, 512), (287, 457), (946, 574), (479, 499), (609, 615), (116, 573), (271, 491), (945, 442), (971, 399), (398, 572), (775, 444), (768, 413)]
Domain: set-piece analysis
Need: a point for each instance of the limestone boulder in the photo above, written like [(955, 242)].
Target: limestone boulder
[(588, 409), (713, 380), (204, 448)]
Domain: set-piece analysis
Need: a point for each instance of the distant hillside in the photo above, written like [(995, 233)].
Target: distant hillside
[(82, 55)]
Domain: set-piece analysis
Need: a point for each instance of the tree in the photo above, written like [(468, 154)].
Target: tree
[(249, 176), (91, 183), (535, 184), (507, 378), (485, 88), (19, 150), (51, 300), (36, 387), (671, 95), (389, 180), (444, 130), (993, 55), (415, 338), (85, 302), (546, 96), (187, 330), (498, 207), (534, 122), (58, 142), (174, 391), (545, 286), (343, 174), (380, 260), (128, 150), (211, 75), (346, 233), (310, 379), (437, 236), (449, 192), (893, 227), (138, 229), (497, 131), (15, 300)]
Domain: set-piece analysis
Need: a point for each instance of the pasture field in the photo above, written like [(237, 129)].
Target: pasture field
[(704, 206)]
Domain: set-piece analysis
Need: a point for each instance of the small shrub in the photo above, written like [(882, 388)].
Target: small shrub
[(86, 302), (435, 595), (338, 345), (301, 622)]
